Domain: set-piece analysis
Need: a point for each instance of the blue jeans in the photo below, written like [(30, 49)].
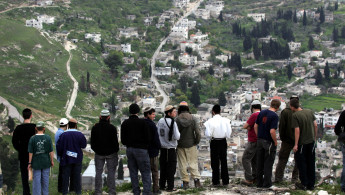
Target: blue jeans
[(40, 182), (138, 159), (343, 173), (68, 171)]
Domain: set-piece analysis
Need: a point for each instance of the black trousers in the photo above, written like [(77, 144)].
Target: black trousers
[(219, 154), (305, 158), (167, 162), (23, 161), (71, 184), (265, 153)]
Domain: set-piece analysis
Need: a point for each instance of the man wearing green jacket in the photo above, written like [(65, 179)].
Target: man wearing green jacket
[(187, 152)]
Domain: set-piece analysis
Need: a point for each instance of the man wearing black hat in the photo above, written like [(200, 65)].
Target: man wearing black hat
[(105, 144), (287, 136), (135, 135)]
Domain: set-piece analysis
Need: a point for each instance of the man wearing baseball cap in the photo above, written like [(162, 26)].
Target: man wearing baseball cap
[(63, 127), (105, 144), (69, 147)]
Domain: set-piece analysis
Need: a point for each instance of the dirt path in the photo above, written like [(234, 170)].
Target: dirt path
[(12, 111)]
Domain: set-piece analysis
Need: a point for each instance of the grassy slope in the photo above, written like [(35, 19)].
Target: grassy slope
[(320, 102)]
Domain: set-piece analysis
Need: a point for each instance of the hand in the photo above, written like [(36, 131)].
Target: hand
[(295, 148), (29, 167), (275, 143), (52, 163)]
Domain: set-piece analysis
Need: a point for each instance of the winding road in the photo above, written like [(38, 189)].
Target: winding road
[(166, 99)]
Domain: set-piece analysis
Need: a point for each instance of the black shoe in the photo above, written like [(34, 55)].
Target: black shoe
[(162, 188), (310, 188), (300, 186)]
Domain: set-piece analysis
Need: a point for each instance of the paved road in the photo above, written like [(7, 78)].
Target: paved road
[(12, 111), (166, 99)]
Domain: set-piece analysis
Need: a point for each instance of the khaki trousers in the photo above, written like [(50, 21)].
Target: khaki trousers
[(188, 156)]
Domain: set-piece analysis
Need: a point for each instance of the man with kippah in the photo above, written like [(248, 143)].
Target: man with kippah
[(69, 147), (105, 144), (135, 135)]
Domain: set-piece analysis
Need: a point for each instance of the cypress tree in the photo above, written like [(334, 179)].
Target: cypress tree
[(289, 72), (11, 124), (195, 99), (247, 43), (82, 83), (335, 35), (327, 71), (336, 6), (256, 50), (304, 18), (318, 28), (221, 99), (220, 17), (294, 17), (318, 77), (311, 45), (120, 171), (210, 70), (267, 85), (183, 83), (88, 85), (322, 15), (343, 32)]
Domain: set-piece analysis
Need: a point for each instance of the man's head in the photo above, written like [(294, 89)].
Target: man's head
[(275, 103), (183, 107), (105, 115), (216, 109), (27, 113), (170, 111), (255, 105), (134, 109), (150, 113), (63, 123), (294, 104), (40, 126), (72, 123)]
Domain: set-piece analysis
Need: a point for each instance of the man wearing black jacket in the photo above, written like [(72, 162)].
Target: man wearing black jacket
[(105, 144), (136, 136), (339, 129), (150, 114), (20, 141)]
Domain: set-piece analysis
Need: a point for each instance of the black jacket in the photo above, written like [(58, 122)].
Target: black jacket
[(135, 133), (104, 139), (20, 140), (340, 123), (155, 144)]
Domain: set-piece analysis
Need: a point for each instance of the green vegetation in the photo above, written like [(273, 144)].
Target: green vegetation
[(318, 103)]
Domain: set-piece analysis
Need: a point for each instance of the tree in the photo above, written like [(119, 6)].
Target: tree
[(318, 28), (195, 99), (112, 103), (82, 84), (304, 18), (120, 171), (183, 83), (220, 17), (343, 32), (267, 85), (294, 17), (289, 72), (189, 50), (311, 45), (318, 77), (11, 124), (210, 70), (336, 6), (114, 60), (327, 71), (247, 43), (256, 50), (221, 99), (88, 85), (335, 35), (322, 15)]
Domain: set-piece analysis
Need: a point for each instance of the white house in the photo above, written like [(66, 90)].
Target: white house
[(257, 17), (126, 48), (181, 32), (96, 37), (128, 32), (188, 59), (46, 19), (239, 97), (149, 102), (294, 45), (34, 23), (315, 53), (180, 3), (135, 73), (44, 2), (148, 21), (244, 77), (223, 58), (190, 24), (163, 71), (194, 46), (202, 13), (215, 7)]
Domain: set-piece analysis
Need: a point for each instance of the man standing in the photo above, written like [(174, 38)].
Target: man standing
[(287, 136), (304, 123), (135, 135), (63, 127), (340, 131), (150, 114), (218, 129), (69, 148), (20, 141), (105, 144), (265, 128), (249, 154), (187, 152)]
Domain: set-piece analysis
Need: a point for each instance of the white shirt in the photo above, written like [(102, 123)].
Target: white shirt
[(218, 127)]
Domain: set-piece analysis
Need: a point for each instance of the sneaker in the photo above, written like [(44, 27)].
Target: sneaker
[(300, 186), (311, 188), (185, 185), (247, 182), (197, 183)]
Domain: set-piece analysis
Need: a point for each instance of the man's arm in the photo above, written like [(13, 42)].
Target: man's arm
[(51, 154), (315, 129), (297, 133), (15, 140), (274, 136), (196, 132), (256, 129), (30, 160)]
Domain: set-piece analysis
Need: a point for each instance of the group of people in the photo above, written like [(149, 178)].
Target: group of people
[(297, 130), (172, 140)]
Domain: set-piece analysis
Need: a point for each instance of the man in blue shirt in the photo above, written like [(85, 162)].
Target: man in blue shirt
[(265, 128), (63, 127)]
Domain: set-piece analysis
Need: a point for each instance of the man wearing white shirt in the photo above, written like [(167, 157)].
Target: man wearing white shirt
[(218, 129)]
